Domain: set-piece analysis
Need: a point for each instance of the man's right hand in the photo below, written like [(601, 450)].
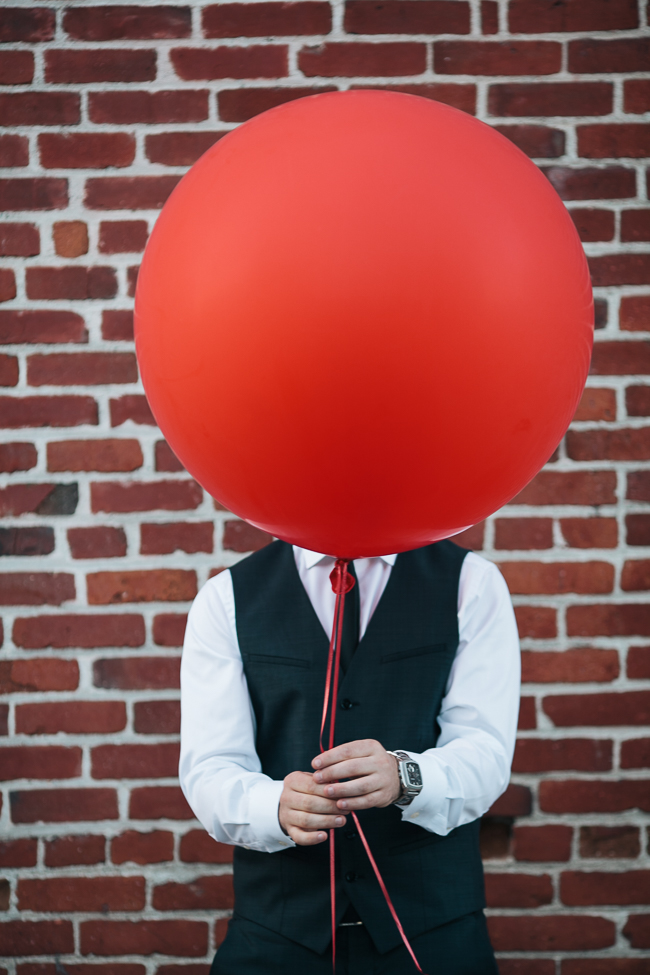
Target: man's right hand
[(305, 812)]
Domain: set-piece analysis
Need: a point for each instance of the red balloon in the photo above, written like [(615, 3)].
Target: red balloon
[(364, 321)]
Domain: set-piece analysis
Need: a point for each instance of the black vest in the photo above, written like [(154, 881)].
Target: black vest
[(392, 692)]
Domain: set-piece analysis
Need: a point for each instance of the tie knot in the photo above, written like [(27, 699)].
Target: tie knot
[(342, 580)]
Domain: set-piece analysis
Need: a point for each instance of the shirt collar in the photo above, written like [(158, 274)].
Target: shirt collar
[(313, 558)]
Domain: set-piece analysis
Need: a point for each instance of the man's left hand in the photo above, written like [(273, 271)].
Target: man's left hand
[(371, 773)]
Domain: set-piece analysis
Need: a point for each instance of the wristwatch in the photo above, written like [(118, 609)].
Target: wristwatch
[(410, 778)]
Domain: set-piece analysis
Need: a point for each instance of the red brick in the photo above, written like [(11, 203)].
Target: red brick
[(157, 539), (141, 585), (636, 576), (39, 108), (581, 754), (70, 238), (570, 487), (613, 141), (133, 407), (117, 325), (134, 847), (538, 622), (489, 17), (515, 801), (41, 499), (7, 285), (41, 326), (38, 540), (638, 662), (623, 708), (541, 16), (472, 537), (497, 57), (240, 104), (36, 588), (169, 629), (637, 930), (18, 853), (594, 225), (606, 841), (63, 805), (239, 536), (39, 674), (611, 183), (137, 673), (638, 489), (630, 444), (132, 280), (179, 148), (17, 457), (635, 753), (86, 150), (135, 761), (583, 664), (636, 96), (14, 150), (145, 496), (66, 66), (74, 282), (517, 890), (25, 24), (406, 17), (255, 61), (626, 619), (527, 717), (590, 532), (39, 762), (89, 969), (266, 19), (591, 56), (537, 141), (122, 22), (198, 847), (83, 369), (71, 717), (204, 893), (619, 269), (38, 193), (556, 577), (523, 533), (16, 68), (462, 97), (553, 98), (220, 930), (333, 60), (166, 459), (67, 851), (95, 630), (603, 966), (36, 937), (157, 717), (184, 969), (148, 108), (631, 887), (129, 192), (8, 370), (542, 843), (168, 937), (94, 455), (97, 542), (159, 802), (551, 933), (635, 225), (81, 894), (4, 722), (122, 236), (580, 796)]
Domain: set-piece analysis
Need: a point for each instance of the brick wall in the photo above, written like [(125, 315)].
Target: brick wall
[(107, 539)]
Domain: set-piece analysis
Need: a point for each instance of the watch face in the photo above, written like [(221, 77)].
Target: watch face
[(413, 774)]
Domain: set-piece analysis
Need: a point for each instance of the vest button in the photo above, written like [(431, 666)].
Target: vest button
[(350, 834), (346, 704), (351, 877)]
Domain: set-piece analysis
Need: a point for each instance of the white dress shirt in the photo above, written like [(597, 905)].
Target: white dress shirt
[(220, 771)]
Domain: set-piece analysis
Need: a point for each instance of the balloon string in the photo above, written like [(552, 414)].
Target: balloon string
[(342, 582)]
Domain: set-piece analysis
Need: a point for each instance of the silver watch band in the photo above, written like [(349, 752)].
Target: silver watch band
[(409, 791)]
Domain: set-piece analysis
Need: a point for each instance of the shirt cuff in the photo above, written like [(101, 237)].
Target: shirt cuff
[(429, 809), (263, 803)]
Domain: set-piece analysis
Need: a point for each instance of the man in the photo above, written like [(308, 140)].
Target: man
[(430, 672)]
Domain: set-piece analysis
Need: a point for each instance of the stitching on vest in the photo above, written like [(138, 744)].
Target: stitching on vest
[(416, 652)]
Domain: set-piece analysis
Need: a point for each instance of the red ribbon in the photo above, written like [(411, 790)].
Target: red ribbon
[(342, 582)]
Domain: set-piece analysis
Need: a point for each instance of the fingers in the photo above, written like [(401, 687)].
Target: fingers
[(311, 804), (356, 787), (370, 800), (351, 769), (351, 749), (303, 838)]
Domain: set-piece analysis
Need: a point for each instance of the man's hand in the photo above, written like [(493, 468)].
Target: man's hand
[(305, 812), (371, 772)]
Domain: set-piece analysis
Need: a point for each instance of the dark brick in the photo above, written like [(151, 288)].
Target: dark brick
[(137, 673), (553, 98), (589, 55), (266, 19), (169, 629), (38, 193), (593, 225), (117, 326), (63, 805), (39, 108), (179, 148), (97, 542), (609, 841), (14, 150), (36, 937), (122, 22), (19, 240), (255, 61), (619, 269), (17, 327), (333, 60), (542, 16), (129, 192), (635, 226), (26, 541), (497, 57), (31, 25), (157, 717), (612, 183), (73, 282), (67, 851), (132, 407), (66, 66), (147, 108), (406, 17), (240, 104), (537, 141)]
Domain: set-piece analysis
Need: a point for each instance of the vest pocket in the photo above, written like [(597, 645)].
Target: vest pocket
[(272, 658), (415, 652)]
